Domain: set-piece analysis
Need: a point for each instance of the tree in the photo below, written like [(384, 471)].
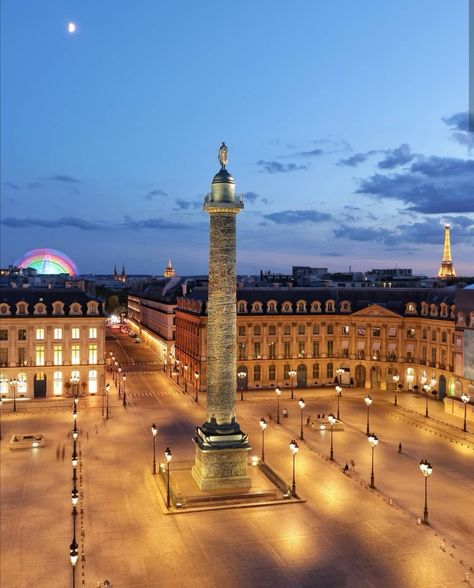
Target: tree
[(112, 303)]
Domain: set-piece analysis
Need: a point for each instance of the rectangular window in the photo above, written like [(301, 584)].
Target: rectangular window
[(256, 349), (40, 355), (392, 332), (93, 382), (272, 330), (345, 329), (3, 334), (411, 333), (286, 330), (286, 372), (286, 350), (301, 330), (330, 329), (271, 350), (376, 332), (423, 353), (21, 334), (345, 352), (57, 383), (444, 337), (242, 351), (424, 334), (75, 354), (257, 373), (21, 356), (301, 350), (40, 334), (58, 355), (92, 354), (315, 348), (75, 333), (433, 355), (257, 330), (241, 331), (330, 348), (360, 331), (433, 335), (272, 373), (315, 329), (4, 357), (330, 370), (315, 371), (58, 334)]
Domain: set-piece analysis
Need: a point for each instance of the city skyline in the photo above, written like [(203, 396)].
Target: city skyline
[(345, 156)]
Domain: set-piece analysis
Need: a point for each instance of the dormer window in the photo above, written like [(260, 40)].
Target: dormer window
[(242, 306), (410, 308), (40, 308), (316, 306), (424, 308), (443, 310), (301, 306), (257, 307), (286, 307), (272, 307), (21, 308), (75, 308), (58, 308), (330, 307), (433, 310), (4, 309), (345, 306)]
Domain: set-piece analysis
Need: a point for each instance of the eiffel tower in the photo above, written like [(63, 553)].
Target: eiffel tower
[(446, 269)]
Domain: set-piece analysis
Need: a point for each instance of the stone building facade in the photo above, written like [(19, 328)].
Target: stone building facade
[(299, 337), (52, 343)]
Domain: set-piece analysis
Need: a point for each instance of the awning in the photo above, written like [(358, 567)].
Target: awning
[(345, 344), (376, 345), (360, 344)]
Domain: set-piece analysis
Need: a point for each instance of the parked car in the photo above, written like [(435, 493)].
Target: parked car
[(25, 441)]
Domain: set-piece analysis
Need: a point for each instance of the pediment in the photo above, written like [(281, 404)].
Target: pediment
[(376, 310)]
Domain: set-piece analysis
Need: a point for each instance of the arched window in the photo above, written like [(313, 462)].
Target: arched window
[(3, 384), (257, 373), (22, 386), (301, 306), (257, 307), (242, 306), (57, 383), (286, 307), (424, 308), (443, 309), (330, 306), (271, 306), (75, 308), (316, 306), (433, 310), (58, 307), (345, 306), (92, 381), (40, 308), (92, 307), (21, 308)]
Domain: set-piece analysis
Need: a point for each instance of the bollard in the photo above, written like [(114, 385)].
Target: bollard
[(418, 521)]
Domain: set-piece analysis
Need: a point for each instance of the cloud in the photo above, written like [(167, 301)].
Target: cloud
[(356, 159), (11, 185), (275, 167), (396, 157), (34, 185), (431, 185), (153, 193), (312, 153), (331, 254), (252, 197), (151, 223), (186, 204), (64, 178), (378, 235), (459, 125), (291, 217)]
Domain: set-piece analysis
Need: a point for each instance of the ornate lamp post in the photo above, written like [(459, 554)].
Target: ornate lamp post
[(119, 383), (186, 378), (74, 501), (368, 402), (107, 387), (14, 383), (427, 389), (170, 364), (241, 375), (176, 367), (263, 426), (124, 391), (340, 371), (294, 450), (196, 385), (373, 440), (154, 431), (301, 404), (292, 374), (426, 470), (168, 461), (396, 379), (332, 422), (278, 392), (338, 396), (74, 555), (465, 398)]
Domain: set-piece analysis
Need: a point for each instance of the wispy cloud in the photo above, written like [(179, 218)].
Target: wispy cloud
[(291, 217), (34, 185), (188, 204), (459, 125), (276, 167), (154, 193), (11, 185), (312, 153), (396, 157), (64, 178), (252, 197), (129, 223)]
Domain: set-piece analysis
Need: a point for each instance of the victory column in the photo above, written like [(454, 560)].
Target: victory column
[(221, 447)]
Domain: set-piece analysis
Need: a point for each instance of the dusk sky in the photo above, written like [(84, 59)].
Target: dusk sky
[(346, 124)]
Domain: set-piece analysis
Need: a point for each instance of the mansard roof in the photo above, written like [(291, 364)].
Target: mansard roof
[(48, 296)]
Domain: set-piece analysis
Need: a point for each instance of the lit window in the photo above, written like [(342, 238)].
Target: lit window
[(58, 355), (75, 333), (40, 355), (75, 354), (3, 384), (40, 334), (93, 382), (92, 354), (22, 383), (93, 333), (57, 383), (58, 334)]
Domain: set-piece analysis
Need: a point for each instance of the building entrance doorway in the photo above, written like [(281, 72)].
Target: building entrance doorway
[(360, 376), (40, 385), (301, 376)]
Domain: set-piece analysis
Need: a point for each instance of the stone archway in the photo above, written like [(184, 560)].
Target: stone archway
[(301, 376), (360, 373)]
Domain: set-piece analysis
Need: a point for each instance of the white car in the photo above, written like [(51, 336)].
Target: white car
[(25, 441)]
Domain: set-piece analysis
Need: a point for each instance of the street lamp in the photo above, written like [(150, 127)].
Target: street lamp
[(124, 391), (1, 402), (241, 375), (14, 383), (339, 373), (74, 501), (196, 379), (294, 450), (107, 387), (168, 460), (154, 431), (338, 396), (75, 385), (332, 420), (75, 432), (292, 374), (186, 378), (278, 392), (74, 459), (263, 426), (465, 398), (301, 404), (368, 402), (396, 379), (74, 555), (426, 388), (176, 367), (118, 381), (426, 470), (373, 440)]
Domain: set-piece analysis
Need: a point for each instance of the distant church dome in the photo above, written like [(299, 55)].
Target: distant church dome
[(169, 271)]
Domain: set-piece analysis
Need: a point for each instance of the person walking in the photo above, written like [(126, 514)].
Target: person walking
[(58, 451), (63, 453), (399, 448)]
